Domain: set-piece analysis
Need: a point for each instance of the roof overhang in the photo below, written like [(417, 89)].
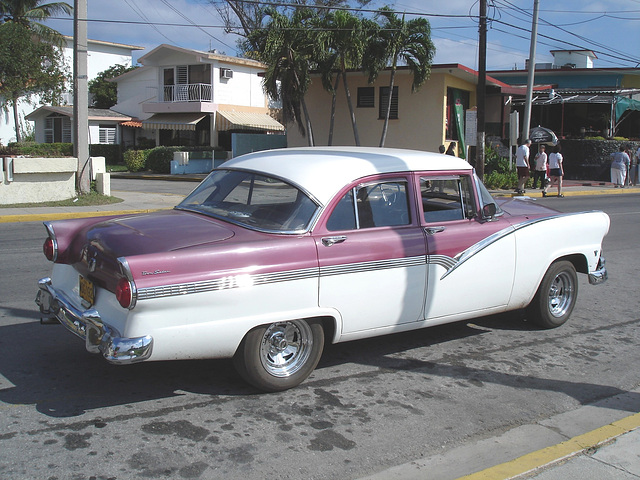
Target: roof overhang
[(231, 120), (173, 121)]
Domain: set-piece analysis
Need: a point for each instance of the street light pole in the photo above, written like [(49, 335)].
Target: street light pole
[(481, 91), (81, 96), (526, 121)]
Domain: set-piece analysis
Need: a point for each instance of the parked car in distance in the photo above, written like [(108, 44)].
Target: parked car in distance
[(277, 252)]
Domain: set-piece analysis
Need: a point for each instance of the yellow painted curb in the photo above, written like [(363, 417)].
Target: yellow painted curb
[(535, 460), (35, 217)]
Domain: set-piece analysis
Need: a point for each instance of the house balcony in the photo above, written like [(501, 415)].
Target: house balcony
[(182, 98), (187, 92)]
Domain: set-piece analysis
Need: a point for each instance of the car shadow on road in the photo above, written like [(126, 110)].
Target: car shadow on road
[(47, 367)]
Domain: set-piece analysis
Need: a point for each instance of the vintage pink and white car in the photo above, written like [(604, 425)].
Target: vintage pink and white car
[(278, 251)]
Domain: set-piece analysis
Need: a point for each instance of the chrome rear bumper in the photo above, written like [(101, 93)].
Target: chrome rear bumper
[(600, 275), (99, 337)]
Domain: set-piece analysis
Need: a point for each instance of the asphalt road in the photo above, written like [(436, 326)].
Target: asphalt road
[(371, 404)]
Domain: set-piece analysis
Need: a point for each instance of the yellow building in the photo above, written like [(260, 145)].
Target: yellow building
[(423, 120)]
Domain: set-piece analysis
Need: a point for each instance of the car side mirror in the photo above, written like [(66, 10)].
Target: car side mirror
[(489, 210)]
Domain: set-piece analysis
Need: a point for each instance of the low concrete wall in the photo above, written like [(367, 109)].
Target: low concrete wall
[(34, 180)]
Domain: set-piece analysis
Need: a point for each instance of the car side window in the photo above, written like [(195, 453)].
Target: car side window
[(378, 204), (446, 198)]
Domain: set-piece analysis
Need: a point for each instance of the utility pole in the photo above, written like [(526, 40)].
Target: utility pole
[(81, 96), (481, 91), (526, 121)]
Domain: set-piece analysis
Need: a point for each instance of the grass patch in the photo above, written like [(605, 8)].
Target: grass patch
[(117, 168), (85, 200)]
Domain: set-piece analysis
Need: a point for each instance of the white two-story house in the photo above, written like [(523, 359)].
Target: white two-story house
[(188, 97)]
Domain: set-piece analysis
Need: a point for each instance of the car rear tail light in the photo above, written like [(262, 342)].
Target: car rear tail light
[(49, 248), (124, 293)]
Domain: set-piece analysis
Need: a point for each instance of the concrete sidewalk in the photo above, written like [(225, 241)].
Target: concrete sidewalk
[(594, 442)]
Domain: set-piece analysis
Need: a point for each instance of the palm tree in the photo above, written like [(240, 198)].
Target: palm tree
[(31, 12), (403, 41), (286, 47), (345, 47)]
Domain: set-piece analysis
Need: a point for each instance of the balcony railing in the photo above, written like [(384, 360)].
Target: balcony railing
[(187, 92)]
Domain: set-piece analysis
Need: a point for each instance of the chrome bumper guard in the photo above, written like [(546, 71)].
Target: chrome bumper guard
[(98, 336), (600, 275)]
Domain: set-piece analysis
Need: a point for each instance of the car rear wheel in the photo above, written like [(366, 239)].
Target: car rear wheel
[(281, 355), (556, 296)]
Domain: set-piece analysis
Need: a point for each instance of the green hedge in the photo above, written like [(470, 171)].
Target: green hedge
[(159, 159), (112, 153), (590, 159), (45, 150)]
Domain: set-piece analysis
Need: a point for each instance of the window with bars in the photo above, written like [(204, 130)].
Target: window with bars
[(384, 98), (107, 134)]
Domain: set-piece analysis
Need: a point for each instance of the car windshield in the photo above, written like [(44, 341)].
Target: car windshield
[(252, 200)]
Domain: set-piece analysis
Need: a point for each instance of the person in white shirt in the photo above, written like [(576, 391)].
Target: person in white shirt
[(556, 171), (522, 165), (540, 164)]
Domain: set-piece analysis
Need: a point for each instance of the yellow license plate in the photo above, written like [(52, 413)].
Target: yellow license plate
[(87, 291)]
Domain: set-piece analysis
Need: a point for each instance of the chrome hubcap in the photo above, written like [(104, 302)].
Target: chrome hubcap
[(285, 347), (561, 294)]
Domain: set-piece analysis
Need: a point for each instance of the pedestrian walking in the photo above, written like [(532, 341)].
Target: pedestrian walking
[(452, 149), (619, 166), (540, 165), (556, 171), (522, 165)]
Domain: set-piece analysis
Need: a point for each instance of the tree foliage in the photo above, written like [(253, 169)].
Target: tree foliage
[(31, 60), (104, 92), (28, 67), (30, 13), (287, 48), (243, 18)]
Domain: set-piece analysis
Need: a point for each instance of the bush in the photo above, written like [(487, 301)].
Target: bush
[(501, 180), (111, 153), (135, 160), (159, 159)]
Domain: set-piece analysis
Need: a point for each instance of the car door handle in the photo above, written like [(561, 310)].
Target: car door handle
[(328, 241), (433, 230)]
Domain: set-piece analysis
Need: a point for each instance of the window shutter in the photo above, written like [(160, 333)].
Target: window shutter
[(48, 130), (66, 130), (384, 95)]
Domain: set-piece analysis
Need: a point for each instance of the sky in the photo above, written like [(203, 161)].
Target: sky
[(611, 28)]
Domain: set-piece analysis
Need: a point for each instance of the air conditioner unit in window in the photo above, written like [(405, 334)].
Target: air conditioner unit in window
[(226, 73)]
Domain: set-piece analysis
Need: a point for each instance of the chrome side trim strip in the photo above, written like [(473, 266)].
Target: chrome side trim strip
[(225, 283), (372, 266)]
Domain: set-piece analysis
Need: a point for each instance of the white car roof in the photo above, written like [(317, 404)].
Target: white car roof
[(323, 171)]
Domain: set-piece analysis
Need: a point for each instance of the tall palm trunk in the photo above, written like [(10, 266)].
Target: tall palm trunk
[(310, 140), (387, 112), (332, 121), (352, 113)]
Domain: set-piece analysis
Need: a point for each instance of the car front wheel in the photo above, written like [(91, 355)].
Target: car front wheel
[(281, 355), (556, 296)]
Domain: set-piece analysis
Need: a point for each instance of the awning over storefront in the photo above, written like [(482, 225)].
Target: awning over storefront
[(623, 104), (227, 120), (173, 121)]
